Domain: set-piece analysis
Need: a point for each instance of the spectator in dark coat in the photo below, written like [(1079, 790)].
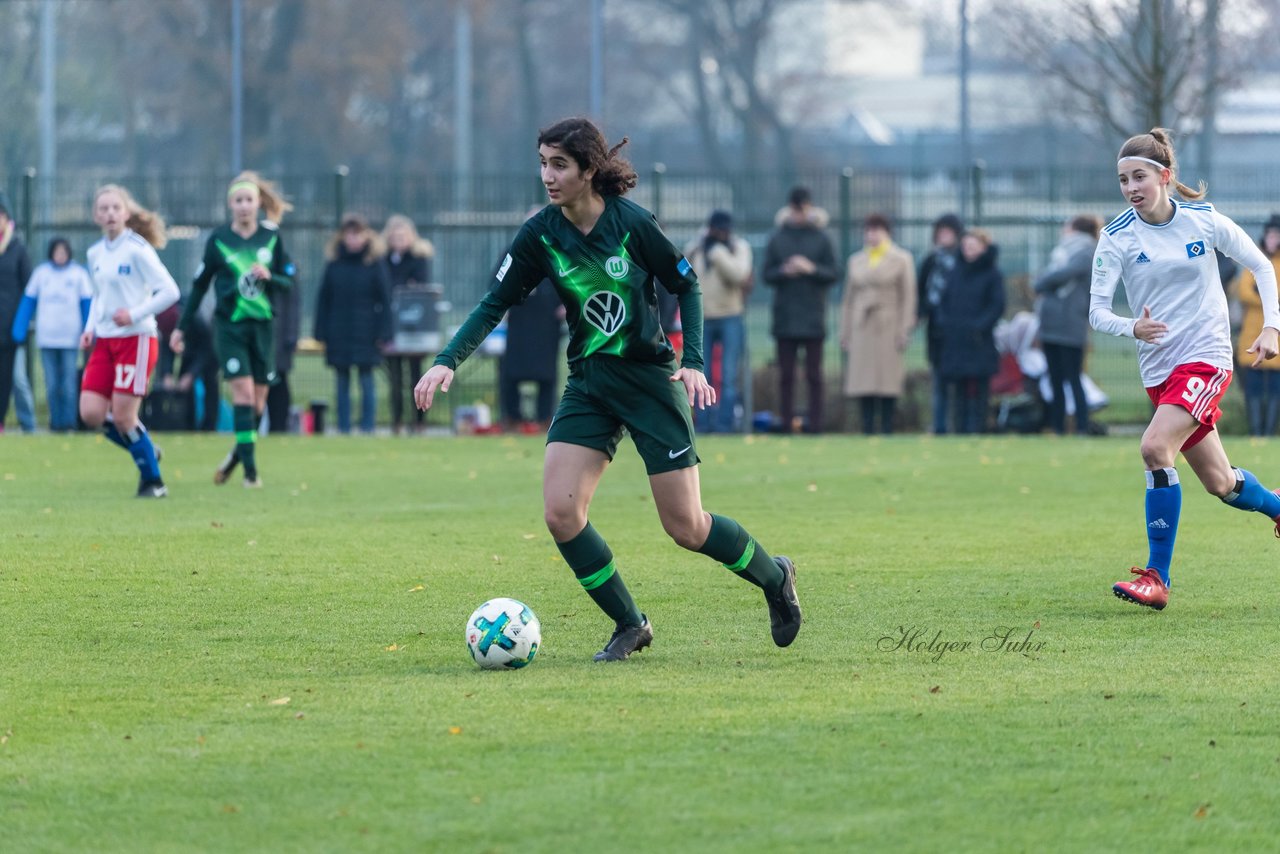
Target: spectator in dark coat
[(409, 258), (286, 309), (935, 269), (532, 355), (1063, 310), (353, 317), (972, 303), (800, 265), (15, 270), (199, 362)]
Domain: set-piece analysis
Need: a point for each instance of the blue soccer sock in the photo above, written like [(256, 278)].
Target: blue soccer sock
[(1164, 505), (111, 432), (143, 453), (1249, 494)]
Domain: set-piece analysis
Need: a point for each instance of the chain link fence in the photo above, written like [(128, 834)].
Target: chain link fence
[(471, 220)]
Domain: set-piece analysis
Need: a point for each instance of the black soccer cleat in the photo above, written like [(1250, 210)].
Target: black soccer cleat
[(784, 607), (626, 640), (225, 468), (152, 489)]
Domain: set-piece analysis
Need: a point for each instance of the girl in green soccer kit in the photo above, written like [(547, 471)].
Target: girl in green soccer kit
[(604, 255), (244, 260)]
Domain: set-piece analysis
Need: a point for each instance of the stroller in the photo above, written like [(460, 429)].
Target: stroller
[(1021, 390)]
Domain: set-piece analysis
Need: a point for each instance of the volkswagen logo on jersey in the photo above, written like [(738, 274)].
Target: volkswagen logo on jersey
[(1195, 249), (249, 286), (617, 267), (605, 310)]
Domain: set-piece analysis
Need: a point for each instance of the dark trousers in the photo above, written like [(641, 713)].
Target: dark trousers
[(788, 353), (1261, 400), (396, 373), (1065, 365), (873, 406), (279, 402), (509, 398), (7, 354), (970, 396)]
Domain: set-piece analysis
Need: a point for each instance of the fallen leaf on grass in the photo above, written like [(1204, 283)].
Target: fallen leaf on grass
[(279, 701), (455, 730), (1202, 811), (416, 588), (935, 689), (393, 648)]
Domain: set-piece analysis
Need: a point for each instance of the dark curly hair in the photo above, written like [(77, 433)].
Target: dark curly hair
[(583, 141)]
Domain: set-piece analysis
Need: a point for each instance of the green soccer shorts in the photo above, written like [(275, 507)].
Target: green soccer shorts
[(246, 348), (606, 394)]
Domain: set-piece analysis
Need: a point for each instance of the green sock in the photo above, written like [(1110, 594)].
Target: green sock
[(739, 552), (591, 561), (246, 437)]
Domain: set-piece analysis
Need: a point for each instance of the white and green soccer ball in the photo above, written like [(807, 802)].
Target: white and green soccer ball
[(503, 634)]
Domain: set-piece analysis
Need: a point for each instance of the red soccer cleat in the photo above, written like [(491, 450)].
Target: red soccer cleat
[(1147, 589)]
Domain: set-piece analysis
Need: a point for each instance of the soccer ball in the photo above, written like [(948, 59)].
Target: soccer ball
[(503, 634)]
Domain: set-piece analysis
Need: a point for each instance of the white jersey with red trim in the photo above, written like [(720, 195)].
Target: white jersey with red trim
[(1171, 269), (127, 274)]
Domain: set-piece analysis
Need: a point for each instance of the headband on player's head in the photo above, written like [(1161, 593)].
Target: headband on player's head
[(243, 185), (1154, 163)]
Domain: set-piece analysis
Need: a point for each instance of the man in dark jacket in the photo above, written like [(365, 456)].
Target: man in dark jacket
[(286, 308), (532, 355), (800, 266), (972, 304), (935, 269), (15, 270)]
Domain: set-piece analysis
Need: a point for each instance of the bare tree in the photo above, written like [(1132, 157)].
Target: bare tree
[(1117, 67)]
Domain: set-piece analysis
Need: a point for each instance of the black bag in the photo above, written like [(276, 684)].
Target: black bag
[(168, 409)]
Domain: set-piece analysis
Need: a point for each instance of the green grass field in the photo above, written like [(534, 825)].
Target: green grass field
[(285, 670)]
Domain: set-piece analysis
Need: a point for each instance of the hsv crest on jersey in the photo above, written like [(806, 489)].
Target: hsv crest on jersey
[(124, 270), (1195, 249), (606, 311)]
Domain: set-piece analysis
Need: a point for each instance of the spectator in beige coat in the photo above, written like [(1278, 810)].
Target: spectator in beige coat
[(722, 262), (877, 316)]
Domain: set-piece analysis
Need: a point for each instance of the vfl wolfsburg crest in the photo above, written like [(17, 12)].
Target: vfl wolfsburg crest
[(264, 256), (605, 310), (250, 287), (617, 267)]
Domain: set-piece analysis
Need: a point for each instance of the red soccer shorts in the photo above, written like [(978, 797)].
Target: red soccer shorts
[(121, 365), (1197, 387)]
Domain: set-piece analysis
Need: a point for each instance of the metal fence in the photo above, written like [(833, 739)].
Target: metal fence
[(470, 221)]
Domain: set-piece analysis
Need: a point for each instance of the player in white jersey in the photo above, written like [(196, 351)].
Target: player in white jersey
[(1163, 250), (130, 286)]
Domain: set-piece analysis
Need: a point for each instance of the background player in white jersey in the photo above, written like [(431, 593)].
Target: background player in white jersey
[(1163, 250), (130, 286)]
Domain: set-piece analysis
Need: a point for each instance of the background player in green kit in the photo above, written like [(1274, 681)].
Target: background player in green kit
[(244, 261), (604, 255)]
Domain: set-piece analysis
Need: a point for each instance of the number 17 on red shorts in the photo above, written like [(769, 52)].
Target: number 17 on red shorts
[(121, 365)]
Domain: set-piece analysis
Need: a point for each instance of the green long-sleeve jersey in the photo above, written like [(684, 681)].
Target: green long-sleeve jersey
[(228, 258), (606, 280)]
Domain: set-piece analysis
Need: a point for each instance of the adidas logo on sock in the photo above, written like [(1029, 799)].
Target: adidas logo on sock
[(1159, 523), (1142, 258)]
